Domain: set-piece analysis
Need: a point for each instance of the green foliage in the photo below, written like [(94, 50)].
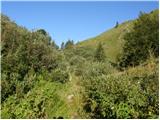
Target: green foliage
[(59, 76), (77, 60), (42, 31), (95, 69), (132, 94), (39, 81), (40, 102), (99, 54), (77, 63), (112, 41), (62, 45), (69, 44), (141, 40), (84, 52), (23, 51), (117, 24), (8, 87)]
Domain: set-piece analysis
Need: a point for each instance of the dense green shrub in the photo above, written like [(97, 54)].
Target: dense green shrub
[(59, 76), (77, 64), (94, 69), (77, 61), (132, 94), (85, 52), (99, 53), (41, 102), (141, 40), (22, 51), (7, 87)]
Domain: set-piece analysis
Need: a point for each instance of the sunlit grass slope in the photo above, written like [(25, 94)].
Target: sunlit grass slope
[(112, 40)]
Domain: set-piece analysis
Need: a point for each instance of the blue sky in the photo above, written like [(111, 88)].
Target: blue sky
[(74, 20)]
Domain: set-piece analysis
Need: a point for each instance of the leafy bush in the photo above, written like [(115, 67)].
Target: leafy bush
[(77, 64), (59, 76), (94, 69), (22, 51), (131, 94), (41, 102), (85, 52), (77, 61), (141, 40)]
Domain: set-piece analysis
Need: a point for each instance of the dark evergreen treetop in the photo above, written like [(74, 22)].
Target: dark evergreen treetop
[(100, 54)]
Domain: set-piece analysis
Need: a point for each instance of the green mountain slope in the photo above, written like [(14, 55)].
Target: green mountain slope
[(112, 40)]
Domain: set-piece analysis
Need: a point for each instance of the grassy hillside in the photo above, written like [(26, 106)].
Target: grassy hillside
[(112, 40)]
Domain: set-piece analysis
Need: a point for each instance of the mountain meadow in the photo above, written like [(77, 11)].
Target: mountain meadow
[(112, 75)]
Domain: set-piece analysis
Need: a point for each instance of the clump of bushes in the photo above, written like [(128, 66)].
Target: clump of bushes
[(77, 65), (94, 69), (140, 41), (128, 94), (60, 76), (23, 50), (41, 102)]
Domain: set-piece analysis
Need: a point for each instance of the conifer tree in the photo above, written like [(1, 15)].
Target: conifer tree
[(69, 44), (117, 24), (62, 45), (100, 54)]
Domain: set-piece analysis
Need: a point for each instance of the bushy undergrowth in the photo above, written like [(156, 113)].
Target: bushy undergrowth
[(26, 54), (40, 102), (130, 94), (142, 40)]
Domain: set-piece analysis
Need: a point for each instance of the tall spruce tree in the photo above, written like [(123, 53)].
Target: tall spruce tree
[(100, 54), (62, 45), (117, 24)]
